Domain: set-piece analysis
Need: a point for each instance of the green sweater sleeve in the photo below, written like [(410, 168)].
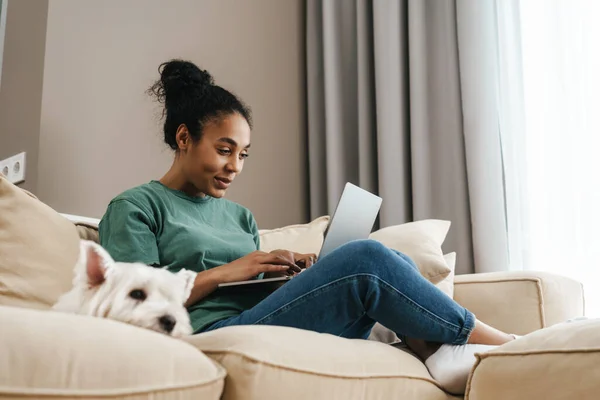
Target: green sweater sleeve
[(254, 229), (127, 233)]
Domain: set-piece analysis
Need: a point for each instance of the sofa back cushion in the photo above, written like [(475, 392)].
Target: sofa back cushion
[(420, 240), (38, 250), (300, 238)]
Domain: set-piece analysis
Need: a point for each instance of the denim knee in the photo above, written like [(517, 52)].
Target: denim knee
[(370, 256), (365, 248), (406, 258)]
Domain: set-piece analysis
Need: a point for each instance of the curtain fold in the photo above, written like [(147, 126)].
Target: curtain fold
[(402, 101)]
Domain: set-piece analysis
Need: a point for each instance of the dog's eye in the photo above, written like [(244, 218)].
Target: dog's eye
[(138, 294)]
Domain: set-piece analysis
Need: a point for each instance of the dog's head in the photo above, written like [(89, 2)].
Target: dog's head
[(133, 293)]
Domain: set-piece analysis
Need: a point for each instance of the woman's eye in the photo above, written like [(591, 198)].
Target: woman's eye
[(138, 294), (244, 155), (224, 151)]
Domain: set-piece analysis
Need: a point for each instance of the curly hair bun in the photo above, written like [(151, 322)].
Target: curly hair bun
[(180, 80), (190, 97)]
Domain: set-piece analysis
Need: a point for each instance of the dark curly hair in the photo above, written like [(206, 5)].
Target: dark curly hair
[(190, 97)]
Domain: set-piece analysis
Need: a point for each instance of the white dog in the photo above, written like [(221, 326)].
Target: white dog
[(136, 294)]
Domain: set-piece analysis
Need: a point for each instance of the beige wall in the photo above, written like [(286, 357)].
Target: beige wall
[(21, 83), (100, 133)]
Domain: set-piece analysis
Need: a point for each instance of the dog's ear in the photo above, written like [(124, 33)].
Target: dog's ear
[(95, 262), (187, 278)]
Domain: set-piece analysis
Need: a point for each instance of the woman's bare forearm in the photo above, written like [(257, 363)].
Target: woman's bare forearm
[(247, 267)]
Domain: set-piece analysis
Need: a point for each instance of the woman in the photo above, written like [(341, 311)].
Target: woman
[(183, 221)]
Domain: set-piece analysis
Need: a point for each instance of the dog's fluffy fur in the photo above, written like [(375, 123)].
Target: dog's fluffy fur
[(133, 293)]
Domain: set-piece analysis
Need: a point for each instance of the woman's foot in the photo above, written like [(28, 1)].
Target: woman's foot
[(482, 333), (451, 364)]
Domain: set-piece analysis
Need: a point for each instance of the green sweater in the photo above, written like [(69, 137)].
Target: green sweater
[(159, 226)]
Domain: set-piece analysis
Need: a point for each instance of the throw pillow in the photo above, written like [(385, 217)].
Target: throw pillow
[(38, 250), (447, 284), (422, 242), (300, 238)]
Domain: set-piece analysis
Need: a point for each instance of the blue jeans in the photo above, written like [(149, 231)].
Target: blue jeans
[(353, 287)]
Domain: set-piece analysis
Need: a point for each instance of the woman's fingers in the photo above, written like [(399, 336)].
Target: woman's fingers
[(286, 255), (274, 267), (279, 260), (295, 269), (308, 260)]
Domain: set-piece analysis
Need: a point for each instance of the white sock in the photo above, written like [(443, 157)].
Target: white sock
[(451, 364)]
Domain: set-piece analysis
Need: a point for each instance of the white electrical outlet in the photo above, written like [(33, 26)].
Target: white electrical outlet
[(14, 168)]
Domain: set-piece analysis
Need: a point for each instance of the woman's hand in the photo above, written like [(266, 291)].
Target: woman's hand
[(274, 264), (302, 261), (256, 263), (242, 269), (305, 260)]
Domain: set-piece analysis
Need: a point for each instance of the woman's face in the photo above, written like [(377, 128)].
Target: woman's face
[(211, 164)]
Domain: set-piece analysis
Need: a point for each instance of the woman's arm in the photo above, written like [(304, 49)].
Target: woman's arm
[(205, 283), (127, 233), (242, 269)]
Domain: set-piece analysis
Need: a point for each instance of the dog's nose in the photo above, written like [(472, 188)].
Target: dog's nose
[(167, 322)]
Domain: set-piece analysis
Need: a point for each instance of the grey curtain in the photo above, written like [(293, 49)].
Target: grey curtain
[(401, 101)]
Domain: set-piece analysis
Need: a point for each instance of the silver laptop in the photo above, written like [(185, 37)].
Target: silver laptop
[(353, 219)]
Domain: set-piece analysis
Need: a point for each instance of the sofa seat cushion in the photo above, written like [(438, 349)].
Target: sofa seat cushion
[(272, 362), (47, 354), (560, 362)]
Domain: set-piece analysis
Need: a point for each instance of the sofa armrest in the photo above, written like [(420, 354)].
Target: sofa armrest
[(520, 302), (52, 354)]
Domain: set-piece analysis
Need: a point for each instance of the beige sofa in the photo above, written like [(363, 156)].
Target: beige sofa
[(49, 355)]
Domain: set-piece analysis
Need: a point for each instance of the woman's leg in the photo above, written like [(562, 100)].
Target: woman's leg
[(481, 333), (362, 282), (450, 364)]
